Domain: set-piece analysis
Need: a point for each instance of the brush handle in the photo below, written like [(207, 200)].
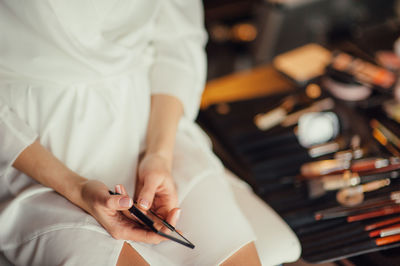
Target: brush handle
[(373, 214), (368, 164), (387, 240), (379, 176), (382, 223), (380, 232)]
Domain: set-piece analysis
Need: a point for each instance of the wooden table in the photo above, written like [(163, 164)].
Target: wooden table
[(259, 81)]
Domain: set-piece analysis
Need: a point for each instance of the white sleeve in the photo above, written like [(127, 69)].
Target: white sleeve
[(15, 136), (179, 68)]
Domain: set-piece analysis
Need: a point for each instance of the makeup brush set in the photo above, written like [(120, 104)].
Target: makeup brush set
[(329, 167)]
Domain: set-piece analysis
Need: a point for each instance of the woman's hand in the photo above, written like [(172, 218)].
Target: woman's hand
[(155, 187), (107, 210)]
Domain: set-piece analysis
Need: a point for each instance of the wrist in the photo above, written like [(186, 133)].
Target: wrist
[(73, 190), (165, 155)]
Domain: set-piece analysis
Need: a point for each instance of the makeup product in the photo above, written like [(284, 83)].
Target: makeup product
[(389, 135), (355, 152), (318, 187), (393, 230), (324, 167), (344, 211), (318, 106), (313, 91), (362, 71), (351, 249), (326, 148), (394, 164), (368, 205), (154, 222), (317, 128), (295, 64), (373, 214), (351, 154), (382, 223), (378, 135), (387, 240), (353, 91), (352, 196), (387, 231), (265, 121)]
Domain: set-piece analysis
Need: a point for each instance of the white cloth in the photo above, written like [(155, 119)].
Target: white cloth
[(78, 75)]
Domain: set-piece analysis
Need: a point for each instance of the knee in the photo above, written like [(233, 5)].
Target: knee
[(246, 255)]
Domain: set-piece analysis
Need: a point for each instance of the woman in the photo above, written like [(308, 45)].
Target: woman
[(99, 95)]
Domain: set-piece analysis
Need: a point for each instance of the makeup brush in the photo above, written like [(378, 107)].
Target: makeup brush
[(326, 148), (318, 187), (274, 117), (382, 223), (389, 135), (322, 215), (318, 106), (381, 138), (378, 213), (367, 205), (352, 196), (387, 231), (343, 236), (355, 151), (323, 167), (349, 248)]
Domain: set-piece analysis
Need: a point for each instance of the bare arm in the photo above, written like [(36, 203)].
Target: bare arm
[(90, 195), (155, 185), (38, 163), (165, 114)]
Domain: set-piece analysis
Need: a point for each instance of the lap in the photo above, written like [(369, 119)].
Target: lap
[(72, 246), (210, 219)]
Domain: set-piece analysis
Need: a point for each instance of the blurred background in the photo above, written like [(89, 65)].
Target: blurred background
[(246, 33)]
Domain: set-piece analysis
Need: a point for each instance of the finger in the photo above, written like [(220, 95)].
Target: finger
[(119, 202), (120, 189), (147, 193), (172, 219), (165, 202), (174, 216)]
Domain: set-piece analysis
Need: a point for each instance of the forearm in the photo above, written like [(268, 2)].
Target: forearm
[(38, 163), (165, 114)]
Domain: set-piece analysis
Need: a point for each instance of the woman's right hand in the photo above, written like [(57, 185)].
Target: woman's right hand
[(108, 211)]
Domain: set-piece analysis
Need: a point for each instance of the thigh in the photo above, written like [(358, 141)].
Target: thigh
[(211, 220)]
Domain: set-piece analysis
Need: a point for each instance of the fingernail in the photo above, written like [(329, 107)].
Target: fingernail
[(118, 189), (177, 215), (125, 202), (144, 204)]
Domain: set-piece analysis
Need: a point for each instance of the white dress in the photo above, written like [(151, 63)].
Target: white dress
[(78, 76)]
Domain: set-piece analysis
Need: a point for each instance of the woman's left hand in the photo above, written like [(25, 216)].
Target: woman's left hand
[(155, 186)]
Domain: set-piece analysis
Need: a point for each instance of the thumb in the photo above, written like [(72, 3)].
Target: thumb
[(119, 202), (146, 194)]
